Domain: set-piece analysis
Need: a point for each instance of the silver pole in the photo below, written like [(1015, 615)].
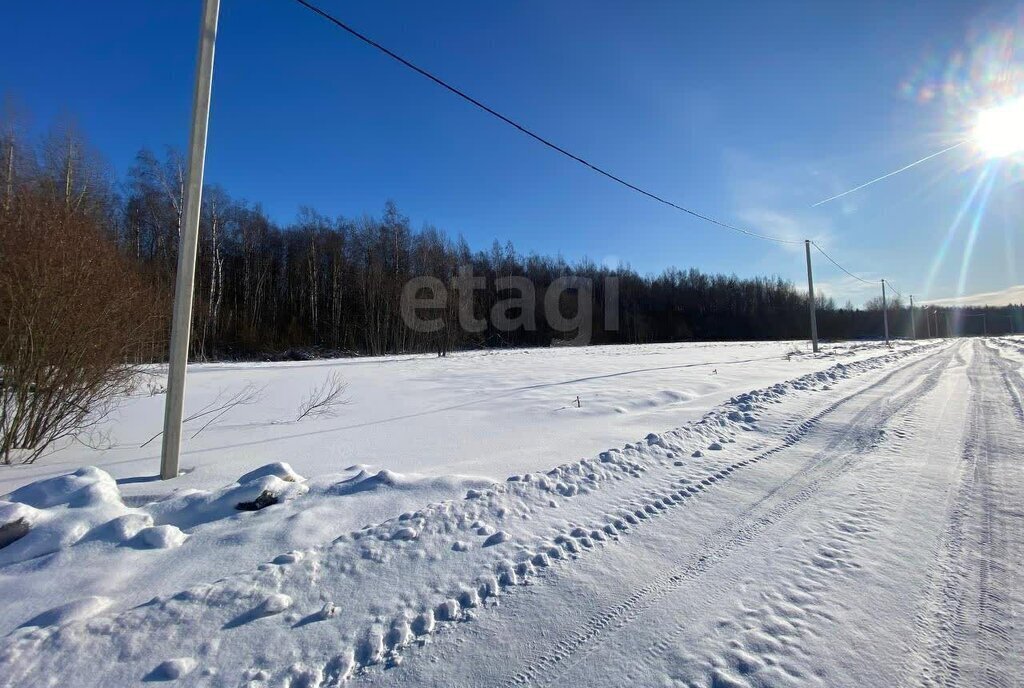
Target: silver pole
[(181, 324), (913, 327), (885, 314), (810, 294)]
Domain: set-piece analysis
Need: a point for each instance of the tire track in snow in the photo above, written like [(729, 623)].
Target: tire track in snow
[(648, 502), (793, 601), (966, 629), (826, 466), (1014, 384)]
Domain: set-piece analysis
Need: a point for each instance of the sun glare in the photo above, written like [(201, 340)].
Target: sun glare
[(999, 130)]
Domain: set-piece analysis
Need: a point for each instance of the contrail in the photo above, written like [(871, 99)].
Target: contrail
[(886, 176)]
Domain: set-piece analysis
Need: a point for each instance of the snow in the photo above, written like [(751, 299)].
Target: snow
[(486, 413), (79, 609), (173, 669), (780, 522), (84, 506)]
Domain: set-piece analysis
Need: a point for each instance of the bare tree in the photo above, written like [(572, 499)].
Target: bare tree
[(211, 267), (247, 396), (325, 399), (221, 405)]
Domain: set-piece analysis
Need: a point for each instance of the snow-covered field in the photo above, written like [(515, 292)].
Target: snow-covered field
[(710, 514)]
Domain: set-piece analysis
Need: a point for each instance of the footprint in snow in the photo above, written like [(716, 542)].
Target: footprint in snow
[(270, 606), (496, 539), (172, 669)]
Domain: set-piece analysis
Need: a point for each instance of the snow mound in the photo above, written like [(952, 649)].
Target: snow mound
[(190, 508), (86, 506), (121, 529), (62, 511), (70, 612), (159, 537), (278, 469), (365, 481), (84, 486)]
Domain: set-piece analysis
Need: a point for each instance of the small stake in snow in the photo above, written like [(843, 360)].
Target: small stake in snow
[(578, 405)]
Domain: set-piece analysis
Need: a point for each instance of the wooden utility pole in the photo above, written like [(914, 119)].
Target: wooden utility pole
[(913, 327), (181, 324), (885, 314), (810, 296)]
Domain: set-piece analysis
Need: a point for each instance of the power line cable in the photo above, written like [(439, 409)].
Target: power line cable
[(834, 262), (537, 137), (563, 151)]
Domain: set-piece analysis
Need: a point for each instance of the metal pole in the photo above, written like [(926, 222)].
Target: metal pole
[(181, 324), (810, 294), (913, 327), (885, 314)]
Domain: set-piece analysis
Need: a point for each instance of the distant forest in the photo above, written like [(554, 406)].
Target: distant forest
[(332, 285)]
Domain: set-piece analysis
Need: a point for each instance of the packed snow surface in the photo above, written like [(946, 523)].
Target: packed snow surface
[(743, 515)]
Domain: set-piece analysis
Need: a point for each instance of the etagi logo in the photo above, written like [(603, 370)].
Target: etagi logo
[(429, 305)]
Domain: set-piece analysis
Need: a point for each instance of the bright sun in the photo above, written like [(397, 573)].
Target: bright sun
[(999, 130)]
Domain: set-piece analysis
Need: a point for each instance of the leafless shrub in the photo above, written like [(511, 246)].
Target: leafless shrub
[(791, 351), (74, 317), (218, 408), (97, 439), (324, 400), (248, 395), (146, 383)]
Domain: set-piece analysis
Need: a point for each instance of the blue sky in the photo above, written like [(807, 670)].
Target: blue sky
[(750, 112)]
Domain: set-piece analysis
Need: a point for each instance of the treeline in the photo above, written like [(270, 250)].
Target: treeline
[(334, 285)]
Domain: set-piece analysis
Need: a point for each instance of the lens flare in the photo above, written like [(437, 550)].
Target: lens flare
[(972, 235), (999, 131), (980, 81), (965, 207)]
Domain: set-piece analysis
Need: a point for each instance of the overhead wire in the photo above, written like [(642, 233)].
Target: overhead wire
[(537, 137), (565, 152), (836, 263)]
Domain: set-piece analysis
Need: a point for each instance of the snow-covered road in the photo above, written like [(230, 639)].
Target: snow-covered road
[(861, 525), (881, 544)]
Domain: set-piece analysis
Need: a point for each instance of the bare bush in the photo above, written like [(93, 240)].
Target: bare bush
[(74, 316), (324, 400), (247, 396), (221, 405)]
